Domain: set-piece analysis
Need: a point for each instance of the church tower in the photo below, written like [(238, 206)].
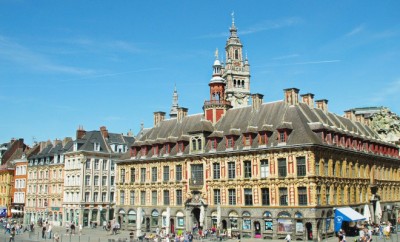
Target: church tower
[(237, 70), (174, 107), (216, 107)]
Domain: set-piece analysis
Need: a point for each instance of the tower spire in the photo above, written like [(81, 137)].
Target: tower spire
[(174, 107), (216, 107), (237, 70)]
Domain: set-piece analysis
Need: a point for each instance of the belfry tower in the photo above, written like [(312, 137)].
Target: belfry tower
[(237, 70), (216, 107)]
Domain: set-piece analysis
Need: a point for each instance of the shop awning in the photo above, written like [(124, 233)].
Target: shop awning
[(346, 214), (349, 214)]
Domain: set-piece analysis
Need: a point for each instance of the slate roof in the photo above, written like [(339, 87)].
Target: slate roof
[(86, 143), (300, 120)]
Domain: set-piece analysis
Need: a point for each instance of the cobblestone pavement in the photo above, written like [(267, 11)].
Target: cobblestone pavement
[(99, 235)]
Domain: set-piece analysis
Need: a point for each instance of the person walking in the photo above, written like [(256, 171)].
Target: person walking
[(44, 232), (288, 238), (12, 235), (49, 230)]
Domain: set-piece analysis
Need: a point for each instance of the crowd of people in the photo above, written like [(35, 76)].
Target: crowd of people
[(367, 230)]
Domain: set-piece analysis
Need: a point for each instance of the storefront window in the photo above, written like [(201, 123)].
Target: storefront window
[(214, 219), (154, 218), (284, 222), (268, 221), (132, 217), (299, 222), (246, 221), (181, 221), (233, 217)]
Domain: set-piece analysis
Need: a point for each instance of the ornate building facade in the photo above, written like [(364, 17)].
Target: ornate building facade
[(262, 171), (9, 152), (45, 182), (89, 186)]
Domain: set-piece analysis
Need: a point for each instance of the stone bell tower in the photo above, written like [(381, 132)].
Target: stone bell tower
[(236, 71)]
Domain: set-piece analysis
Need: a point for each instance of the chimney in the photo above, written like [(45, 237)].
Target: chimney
[(322, 104), (158, 117), (80, 132), (42, 145), (291, 96), (308, 99), (104, 132), (360, 118), (349, 114), (182, 113), (257, 100), (367, 121)]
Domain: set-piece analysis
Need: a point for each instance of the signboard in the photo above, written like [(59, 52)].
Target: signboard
[(3, 212)]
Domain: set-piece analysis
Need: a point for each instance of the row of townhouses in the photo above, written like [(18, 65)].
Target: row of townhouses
[(258, 169), (64, 180)]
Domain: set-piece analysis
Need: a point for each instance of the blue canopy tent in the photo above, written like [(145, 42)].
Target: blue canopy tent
[(346, 214)]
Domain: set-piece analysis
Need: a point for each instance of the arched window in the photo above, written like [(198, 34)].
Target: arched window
[(246, 221), (242, 84), (284, 222), (233, 217), (236, 54), (154, 218), (234, 82)]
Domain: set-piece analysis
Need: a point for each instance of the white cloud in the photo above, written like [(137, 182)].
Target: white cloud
[(284, 57), (356, 30), (14, 52)]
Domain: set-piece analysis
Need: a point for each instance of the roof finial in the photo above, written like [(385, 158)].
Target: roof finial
[(216, 53), (233, 17)]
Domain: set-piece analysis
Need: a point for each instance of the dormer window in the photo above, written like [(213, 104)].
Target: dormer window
[(334, 139), (282, 136), (328, 138), (247, 139), (263, 138), (143, 151), (230, 142), (181, 147), (155, 150), (213, 143), (196, 143), (167, 148), (96, 146)]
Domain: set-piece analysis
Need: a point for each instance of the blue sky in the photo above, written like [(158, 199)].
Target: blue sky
[(92, 63)]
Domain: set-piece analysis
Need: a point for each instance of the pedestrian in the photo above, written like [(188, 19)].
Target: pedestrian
[(12, 235), (72, 228), (56, 237), (49, 230), (190, 237), (44, 232), (288, 238), (32, 227), (104, 225)]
